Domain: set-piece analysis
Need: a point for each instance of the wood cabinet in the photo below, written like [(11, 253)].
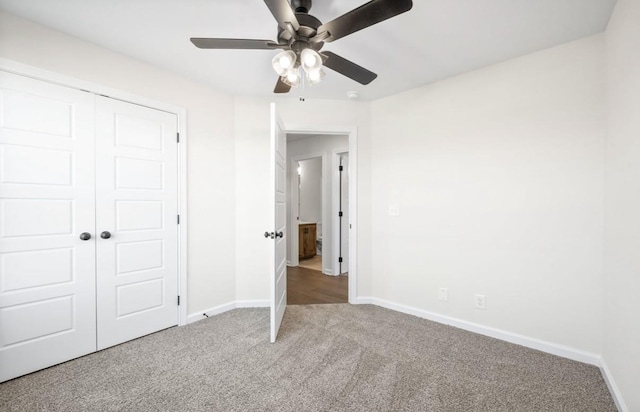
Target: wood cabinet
[(306, 240)]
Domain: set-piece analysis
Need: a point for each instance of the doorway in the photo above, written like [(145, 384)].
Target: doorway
[(314, 273)]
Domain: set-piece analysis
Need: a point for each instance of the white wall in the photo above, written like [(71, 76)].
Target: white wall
[(252, 177), (310, 190), (210, 132), (622, 219), (323, 145), (499, 177)]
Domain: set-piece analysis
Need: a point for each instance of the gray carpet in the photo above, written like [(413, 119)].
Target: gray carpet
[(328, 358)]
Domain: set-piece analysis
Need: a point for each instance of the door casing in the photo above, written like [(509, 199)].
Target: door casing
[(336, 207)]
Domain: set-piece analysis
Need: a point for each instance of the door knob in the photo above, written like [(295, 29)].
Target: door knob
[(105, 235), (279, 234), (85, 236), (269, 235)]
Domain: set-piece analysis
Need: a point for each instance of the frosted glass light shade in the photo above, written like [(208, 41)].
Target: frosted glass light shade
[(283, 61), (314, 76), (310, 60), (292, 77)]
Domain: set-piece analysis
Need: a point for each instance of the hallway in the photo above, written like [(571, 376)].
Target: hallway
[(307, 286)]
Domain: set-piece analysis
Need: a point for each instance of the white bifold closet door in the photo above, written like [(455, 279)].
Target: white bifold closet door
[(73, 165), (47, 274), (137, 204)]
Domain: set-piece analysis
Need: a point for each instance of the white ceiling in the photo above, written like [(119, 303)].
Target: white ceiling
[(435, 40), (292, 137)]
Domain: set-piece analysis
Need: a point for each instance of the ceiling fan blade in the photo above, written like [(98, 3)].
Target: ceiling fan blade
[(348, 68), (362, 17), (210, 43), (282, 11), (281, 87)]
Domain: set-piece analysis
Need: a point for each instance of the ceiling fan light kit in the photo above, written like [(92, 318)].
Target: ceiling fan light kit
[(311, 60), (292, 78), (315, 76), (301, 36), (283, 61)]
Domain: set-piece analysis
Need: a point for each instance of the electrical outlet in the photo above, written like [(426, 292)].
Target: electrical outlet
[(443, 294), (394, 209), (480, 301)]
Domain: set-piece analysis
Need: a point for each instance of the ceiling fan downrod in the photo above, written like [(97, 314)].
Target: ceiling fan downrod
[(301, 6)]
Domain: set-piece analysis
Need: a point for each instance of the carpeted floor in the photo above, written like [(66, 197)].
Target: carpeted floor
[(327, 358)]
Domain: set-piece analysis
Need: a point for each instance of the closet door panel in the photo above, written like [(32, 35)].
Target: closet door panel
[(47, 273), (137, 198)]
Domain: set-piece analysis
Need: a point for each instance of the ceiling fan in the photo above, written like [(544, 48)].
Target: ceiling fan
[(301, 36)]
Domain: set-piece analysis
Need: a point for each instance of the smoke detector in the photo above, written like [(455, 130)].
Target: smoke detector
[(352, 95)]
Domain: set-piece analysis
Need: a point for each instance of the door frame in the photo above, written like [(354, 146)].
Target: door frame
[(37, 73), (352, 132), (294, 200), (335, 206)]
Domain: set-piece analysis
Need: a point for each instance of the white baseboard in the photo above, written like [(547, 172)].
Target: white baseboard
[(529, 342), (252, 303), (613, 388), (363, 301), (194, 317)]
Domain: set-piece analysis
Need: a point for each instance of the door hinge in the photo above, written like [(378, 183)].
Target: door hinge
[(178, 219), (340, 260), (178, 300), (340, 213), (340, 168), (178, 137)]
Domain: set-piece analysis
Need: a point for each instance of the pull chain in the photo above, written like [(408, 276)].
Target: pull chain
[(302, 89)]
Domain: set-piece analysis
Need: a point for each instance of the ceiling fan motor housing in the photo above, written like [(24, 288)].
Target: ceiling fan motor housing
[(308, 28)]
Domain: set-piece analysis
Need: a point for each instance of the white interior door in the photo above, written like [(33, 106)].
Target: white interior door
[(278, 265), (344, 207), (47, 273), (137, 204)]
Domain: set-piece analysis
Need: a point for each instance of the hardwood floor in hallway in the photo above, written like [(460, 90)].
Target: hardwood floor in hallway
[(314, 263), (307, 286)]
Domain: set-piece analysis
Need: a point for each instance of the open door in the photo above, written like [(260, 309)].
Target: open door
[(278, 267)]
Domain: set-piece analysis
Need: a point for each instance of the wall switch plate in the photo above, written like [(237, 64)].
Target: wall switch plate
[(443, 294), (480, 301), (394, 209)]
